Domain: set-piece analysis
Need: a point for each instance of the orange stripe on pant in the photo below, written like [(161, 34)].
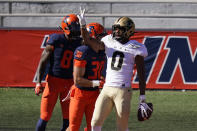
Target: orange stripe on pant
[(55, 87), (81, 102)]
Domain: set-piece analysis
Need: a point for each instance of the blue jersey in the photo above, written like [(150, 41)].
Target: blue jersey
[(94, 63), (61, 60)]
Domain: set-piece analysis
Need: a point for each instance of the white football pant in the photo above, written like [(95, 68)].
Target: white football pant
[(110, 97)]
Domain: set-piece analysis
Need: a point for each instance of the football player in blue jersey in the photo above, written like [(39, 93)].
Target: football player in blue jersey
[(59, 54), (88, 66)]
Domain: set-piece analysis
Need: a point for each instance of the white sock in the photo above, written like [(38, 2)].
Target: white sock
[(96, 128)]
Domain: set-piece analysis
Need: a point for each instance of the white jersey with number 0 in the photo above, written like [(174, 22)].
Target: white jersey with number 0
[(121, 60)]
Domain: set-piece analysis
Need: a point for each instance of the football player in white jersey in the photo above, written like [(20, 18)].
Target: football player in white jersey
[(122, 54)]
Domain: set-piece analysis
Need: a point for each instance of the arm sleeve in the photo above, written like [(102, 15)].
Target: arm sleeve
[(80, 57), (142, 51), (52, 40)]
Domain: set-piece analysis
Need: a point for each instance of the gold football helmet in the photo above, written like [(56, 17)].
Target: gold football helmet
[(126, 25)]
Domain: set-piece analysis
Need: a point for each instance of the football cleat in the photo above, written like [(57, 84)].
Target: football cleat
[(145, 111)]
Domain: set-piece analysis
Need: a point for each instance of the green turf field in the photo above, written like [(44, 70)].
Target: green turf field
[(173, 111)]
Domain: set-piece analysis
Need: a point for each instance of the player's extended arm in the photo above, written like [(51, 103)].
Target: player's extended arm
[(80, 80), (145, 109), (41, 68), (139, 60), (43, 62), (95, 44)]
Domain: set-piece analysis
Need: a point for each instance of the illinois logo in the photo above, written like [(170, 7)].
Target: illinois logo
[(171, 63)]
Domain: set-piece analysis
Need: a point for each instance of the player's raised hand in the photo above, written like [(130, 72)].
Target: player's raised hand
[(38, 89), (81, 17)]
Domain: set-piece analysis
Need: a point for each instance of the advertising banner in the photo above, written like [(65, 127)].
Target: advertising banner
[(171, 63)]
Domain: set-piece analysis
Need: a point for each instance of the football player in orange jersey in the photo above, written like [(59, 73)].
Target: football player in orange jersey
[(88, 65), (59, 54)]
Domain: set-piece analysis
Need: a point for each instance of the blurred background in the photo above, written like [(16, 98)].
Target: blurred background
[(147, 14)]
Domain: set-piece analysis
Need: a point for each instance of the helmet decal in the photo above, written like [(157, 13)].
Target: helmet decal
[(95, 30)]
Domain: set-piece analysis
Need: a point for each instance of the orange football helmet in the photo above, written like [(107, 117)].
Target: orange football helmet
[(95, 30), (70, 25)]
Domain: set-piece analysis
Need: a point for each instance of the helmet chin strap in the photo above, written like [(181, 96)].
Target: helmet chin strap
[(71, 36), (74, 35), (66, 36), (122, 40)]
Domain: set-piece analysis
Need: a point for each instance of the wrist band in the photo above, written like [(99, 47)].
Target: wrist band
[(95, 83), (142, 97)]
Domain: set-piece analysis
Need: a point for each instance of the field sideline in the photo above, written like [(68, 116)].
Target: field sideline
[(173, 111)]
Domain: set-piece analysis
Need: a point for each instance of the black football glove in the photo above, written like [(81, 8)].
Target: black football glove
[(145, 111)]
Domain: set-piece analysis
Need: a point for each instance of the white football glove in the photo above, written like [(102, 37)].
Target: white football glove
[(81, 17)]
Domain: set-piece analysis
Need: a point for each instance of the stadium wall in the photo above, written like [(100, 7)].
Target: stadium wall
[(147, 14)]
